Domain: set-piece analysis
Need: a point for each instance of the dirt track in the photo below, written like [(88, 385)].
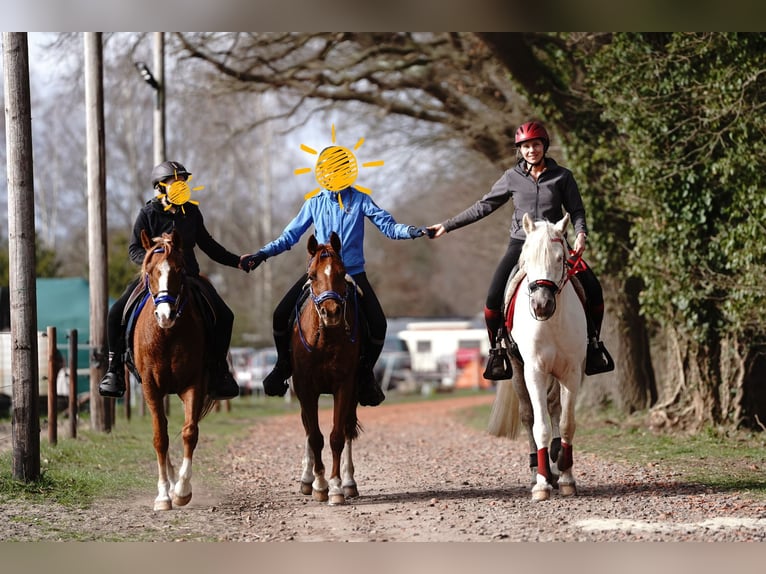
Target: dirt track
[(424, 477)]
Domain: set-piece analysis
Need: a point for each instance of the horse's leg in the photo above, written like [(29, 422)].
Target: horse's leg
[(527, 418), (567, 485), (160, 440), (307, 469), (192, 400), (537, 385), (347, 472), (554, 411), (315, 442), (341, 411)]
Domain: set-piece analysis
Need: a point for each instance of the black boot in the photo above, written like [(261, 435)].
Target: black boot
[(275, 384), (598, 359), (370, 393), (113, 383), (224, 385)]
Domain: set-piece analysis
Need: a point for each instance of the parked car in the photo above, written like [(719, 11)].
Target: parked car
[(263, 362), (241, 365), (394, 365)]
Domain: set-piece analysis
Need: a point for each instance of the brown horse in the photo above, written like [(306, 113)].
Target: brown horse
[(325, 356), (169, 347)]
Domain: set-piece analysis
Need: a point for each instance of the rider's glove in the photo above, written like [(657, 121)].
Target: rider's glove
[(254, 260), (416, 232)]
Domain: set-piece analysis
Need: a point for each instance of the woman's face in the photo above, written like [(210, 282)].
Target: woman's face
[(532, 151)]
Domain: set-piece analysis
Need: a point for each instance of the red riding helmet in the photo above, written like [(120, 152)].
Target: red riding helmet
[(532, 131)]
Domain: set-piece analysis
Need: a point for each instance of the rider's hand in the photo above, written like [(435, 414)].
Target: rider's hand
[(416, 232), (579, 245), (250, 262), (434, 231)]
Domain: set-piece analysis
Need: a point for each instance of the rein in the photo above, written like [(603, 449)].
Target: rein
[(324, 296)]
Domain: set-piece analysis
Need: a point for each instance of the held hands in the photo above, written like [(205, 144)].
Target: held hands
[(250, 262), (434, 231), (416, 232)]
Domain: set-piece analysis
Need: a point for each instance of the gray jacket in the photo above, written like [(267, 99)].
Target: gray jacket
[(547, 198)]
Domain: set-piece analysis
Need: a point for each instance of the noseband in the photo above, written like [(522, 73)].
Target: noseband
[(164, 296), (330, 294)]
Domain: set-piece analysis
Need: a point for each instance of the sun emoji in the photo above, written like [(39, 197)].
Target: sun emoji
[(336, 168), (178, 193)]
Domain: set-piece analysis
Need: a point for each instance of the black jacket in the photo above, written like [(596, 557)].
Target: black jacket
[(190, 225)]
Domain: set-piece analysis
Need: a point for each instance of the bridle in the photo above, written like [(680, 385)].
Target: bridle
[(176, 302), (568, 268), (330, 294)]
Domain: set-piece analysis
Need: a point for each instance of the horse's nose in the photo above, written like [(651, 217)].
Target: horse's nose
[(331, 313), (543, 306), (165, 319)]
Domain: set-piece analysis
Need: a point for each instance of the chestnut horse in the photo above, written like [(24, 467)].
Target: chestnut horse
[(547, 323), (325, 356), (169, 349)]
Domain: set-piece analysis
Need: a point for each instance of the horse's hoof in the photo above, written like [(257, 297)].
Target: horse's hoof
[(569, 489), (337, 499), (541, 492), (350, 491), (306, 488), (320, 495), (182, 500), (163, 505)]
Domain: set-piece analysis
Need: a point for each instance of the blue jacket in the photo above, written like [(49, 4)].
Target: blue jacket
[(325, 214)]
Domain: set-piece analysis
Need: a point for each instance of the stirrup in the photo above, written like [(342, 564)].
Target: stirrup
[(498, 365), (598, 360)]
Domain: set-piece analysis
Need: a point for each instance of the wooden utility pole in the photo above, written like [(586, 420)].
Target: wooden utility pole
[(21, 255), (159, 101), (97, 253)]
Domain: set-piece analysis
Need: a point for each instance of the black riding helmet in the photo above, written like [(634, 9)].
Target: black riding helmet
[(167, 169)]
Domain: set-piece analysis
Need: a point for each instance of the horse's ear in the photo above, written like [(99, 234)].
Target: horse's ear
[(312, 245), (529, 225), (335, 242), (561, 226), (145, 241)]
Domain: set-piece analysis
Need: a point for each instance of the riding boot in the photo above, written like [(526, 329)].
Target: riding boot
[(224, 385), (370, 393), (598, 360), (275, 383), (113, 383), (498, 363)]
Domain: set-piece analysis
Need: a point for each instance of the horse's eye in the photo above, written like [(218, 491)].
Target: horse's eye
[(312, 276)]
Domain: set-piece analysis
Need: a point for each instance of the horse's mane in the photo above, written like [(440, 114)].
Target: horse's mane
[(534, 248)]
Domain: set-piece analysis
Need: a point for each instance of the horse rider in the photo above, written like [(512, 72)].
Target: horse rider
[(162, 214), (344, 212), (544, 189)]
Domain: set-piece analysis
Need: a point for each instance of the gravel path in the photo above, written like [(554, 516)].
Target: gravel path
[(423, 476)]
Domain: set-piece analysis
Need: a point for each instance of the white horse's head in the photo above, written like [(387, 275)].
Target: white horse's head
[(544, 258)]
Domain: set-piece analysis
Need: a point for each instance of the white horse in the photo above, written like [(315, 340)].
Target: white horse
[(547, 323)]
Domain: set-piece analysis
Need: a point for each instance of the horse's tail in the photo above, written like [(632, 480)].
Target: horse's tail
[(504, 420)]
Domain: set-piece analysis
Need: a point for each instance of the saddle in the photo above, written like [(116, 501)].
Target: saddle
[(136, 302), (303, 300)]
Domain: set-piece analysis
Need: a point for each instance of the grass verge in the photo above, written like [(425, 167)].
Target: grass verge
[(724, 460)]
